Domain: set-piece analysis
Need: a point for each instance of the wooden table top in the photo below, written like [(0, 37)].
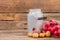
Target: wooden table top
[(17, 35), (12, 36)]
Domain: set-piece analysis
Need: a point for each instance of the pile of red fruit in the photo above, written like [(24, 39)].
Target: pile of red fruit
[(53, 27)]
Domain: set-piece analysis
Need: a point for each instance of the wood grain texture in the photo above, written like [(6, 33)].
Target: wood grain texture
[(6, 16), (13, 16), (20, 17), (9, 25), (23, 16), (25, 5), (20, 20), (16, 11), (17, 36)]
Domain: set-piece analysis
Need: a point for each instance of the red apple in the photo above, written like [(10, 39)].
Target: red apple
[(55, 33), (56, 27), (43, 31), (53, 22), (59, 31), (59, 36), (47, 24), (52, 30), (49, 29)]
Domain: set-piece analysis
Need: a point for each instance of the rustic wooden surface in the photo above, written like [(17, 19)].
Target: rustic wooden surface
[(18, 35), (23, 16), (25, 5), (14, 12), (19, 20)]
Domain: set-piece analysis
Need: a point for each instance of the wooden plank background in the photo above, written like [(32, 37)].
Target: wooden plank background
[(13, 13), (25, 5)]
